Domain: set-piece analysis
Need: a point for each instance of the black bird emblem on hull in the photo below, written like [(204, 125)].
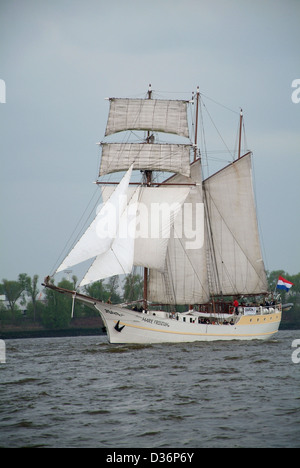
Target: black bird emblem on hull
[(118, 328)]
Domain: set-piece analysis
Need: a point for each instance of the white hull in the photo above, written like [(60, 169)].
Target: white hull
[(126, 326)]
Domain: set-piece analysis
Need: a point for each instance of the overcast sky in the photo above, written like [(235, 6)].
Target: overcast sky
[(59, 59)]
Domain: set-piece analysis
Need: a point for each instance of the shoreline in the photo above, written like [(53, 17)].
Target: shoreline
[(91, 326), (69, 332)]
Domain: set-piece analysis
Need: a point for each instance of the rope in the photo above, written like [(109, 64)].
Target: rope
[(66, 248)]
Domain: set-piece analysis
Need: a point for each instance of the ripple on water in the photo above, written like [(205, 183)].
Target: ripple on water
[(83, 392)]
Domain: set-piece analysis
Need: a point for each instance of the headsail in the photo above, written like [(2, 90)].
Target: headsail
[(118, 259), (96, 240)]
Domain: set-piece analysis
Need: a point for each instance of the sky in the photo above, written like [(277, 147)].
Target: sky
[(60, 59)]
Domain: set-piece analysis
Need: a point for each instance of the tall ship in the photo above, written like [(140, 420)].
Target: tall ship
[(195, 238)]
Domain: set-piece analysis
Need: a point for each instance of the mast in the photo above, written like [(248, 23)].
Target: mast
[(148, 175), (104, 239), (196, 123), (195, 143), (240, 133)]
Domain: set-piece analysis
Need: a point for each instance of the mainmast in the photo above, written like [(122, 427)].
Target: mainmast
[(196, 124), (240, 133), (148, 175)]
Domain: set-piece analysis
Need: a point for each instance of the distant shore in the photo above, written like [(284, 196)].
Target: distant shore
[(13, 335), (78, 327)]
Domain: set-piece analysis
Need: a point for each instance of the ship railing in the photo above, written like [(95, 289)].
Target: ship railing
[(260, 310)]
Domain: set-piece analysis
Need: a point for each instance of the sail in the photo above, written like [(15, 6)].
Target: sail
[(236, 259), (158, 208), (184, 279), (143, 156), (156, 115), (100, 234), (156, 212), (118, 260)]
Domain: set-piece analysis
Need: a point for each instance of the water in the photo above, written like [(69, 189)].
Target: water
[(83, 392)]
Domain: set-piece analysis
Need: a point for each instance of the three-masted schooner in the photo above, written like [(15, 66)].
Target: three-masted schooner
[(196, 238)]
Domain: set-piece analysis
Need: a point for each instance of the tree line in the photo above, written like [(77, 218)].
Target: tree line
[(53, 310), (25, 300)]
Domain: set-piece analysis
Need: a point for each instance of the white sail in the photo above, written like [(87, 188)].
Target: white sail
[(118, 260), (236, 258), (156, 115), (184, 279), (158, 208), (155, 157), (102, 231)]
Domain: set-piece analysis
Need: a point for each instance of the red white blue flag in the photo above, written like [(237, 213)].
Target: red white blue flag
[(284, 284)]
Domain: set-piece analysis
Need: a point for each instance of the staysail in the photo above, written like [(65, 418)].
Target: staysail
[(184, 279), (101, 233), (157, 210), (118, 259)]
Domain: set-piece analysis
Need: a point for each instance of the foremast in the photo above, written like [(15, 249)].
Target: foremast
[(148, 177), (118, 249)]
